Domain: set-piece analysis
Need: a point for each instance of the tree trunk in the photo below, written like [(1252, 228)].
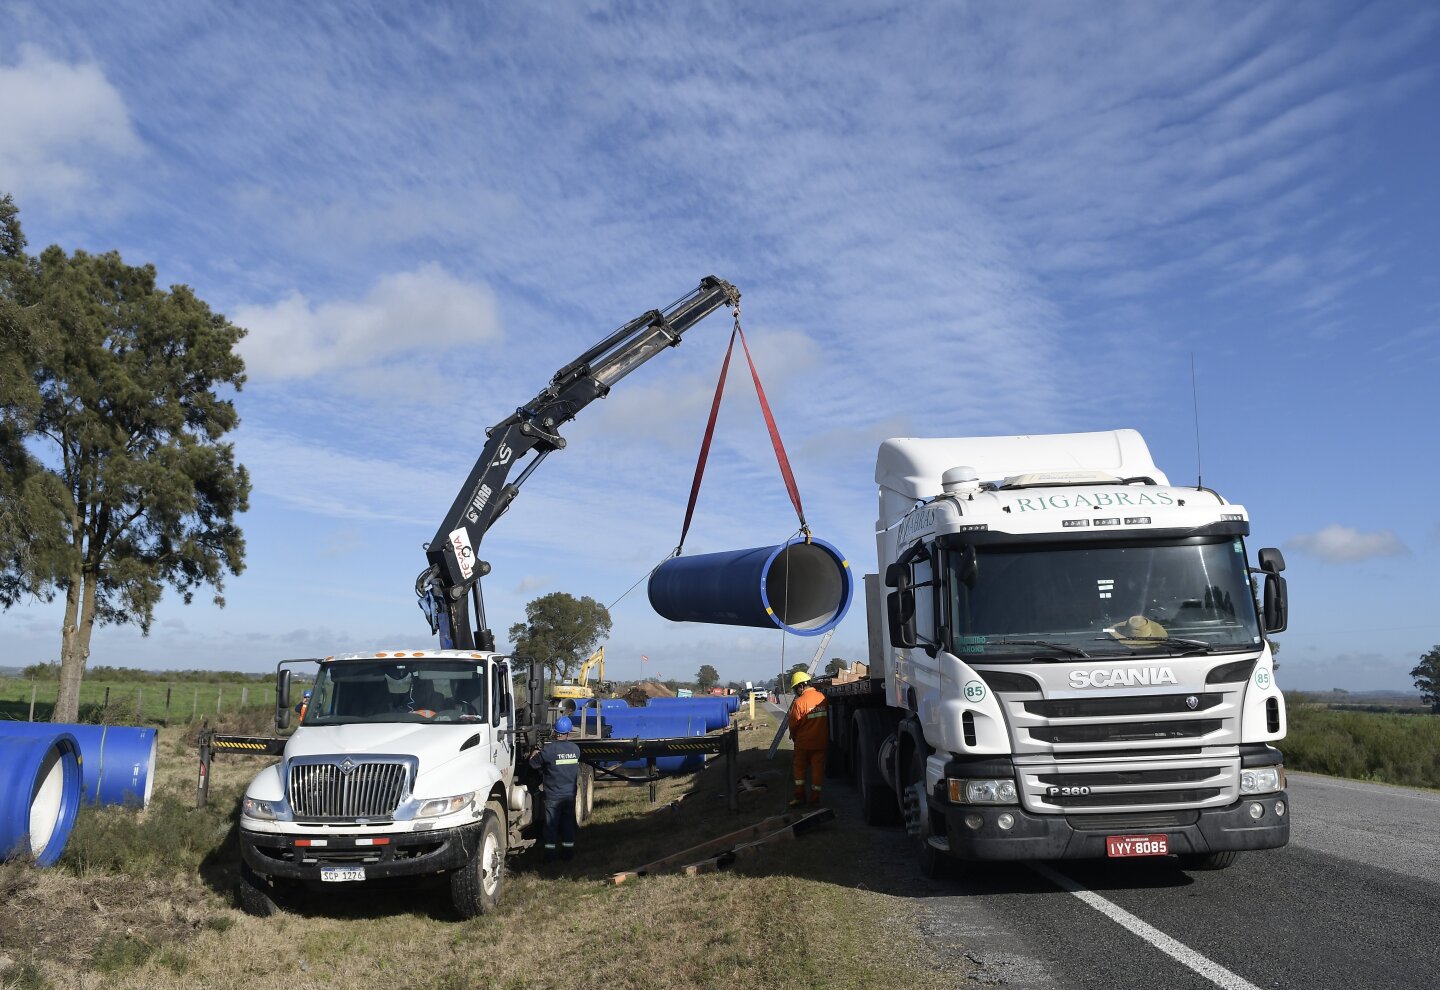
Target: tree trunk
[(72, 655)]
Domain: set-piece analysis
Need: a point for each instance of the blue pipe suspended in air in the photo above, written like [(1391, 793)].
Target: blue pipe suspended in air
[(801, 587), (39, 794)]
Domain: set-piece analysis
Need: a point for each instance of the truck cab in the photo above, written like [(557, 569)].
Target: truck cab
[(1074, 657), (404, 764)]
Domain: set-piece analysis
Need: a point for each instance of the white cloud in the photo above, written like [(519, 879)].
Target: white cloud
[(60, 125), (427, 310), (1343, 545)]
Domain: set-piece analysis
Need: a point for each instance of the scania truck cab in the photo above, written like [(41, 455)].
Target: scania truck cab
[(1071, 659)]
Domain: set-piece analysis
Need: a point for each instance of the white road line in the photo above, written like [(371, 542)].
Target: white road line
[(1178, 951)]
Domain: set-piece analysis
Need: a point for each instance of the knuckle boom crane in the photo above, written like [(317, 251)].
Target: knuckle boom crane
[(450, 581)]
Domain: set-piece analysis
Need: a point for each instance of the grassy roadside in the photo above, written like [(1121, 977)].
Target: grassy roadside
[(142, 900), (1389, 749)]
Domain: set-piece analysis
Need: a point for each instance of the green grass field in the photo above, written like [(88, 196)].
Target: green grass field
[(1390, 749), (135, 702)]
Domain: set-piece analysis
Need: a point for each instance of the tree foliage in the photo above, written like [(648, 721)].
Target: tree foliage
[(561, 630), (707, 677), (116, 481), (1427, 678)]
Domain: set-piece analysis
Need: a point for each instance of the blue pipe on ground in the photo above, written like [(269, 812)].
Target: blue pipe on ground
[(803, 588), (119, 760), (39, 794)]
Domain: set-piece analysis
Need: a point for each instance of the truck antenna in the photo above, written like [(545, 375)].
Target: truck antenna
[(1195, 404)]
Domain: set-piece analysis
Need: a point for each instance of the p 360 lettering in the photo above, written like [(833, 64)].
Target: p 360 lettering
[(1066, 791)]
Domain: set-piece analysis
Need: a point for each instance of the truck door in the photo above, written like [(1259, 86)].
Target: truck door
[(502, 719)]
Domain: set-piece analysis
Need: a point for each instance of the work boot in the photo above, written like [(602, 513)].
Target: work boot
[(797, 802)]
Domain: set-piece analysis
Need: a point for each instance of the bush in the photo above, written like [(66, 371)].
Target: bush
[(168, 839)]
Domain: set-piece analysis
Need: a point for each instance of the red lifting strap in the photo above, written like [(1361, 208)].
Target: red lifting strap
[(775, 440)]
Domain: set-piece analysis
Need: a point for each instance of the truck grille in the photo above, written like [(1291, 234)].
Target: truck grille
[(347, 789), (1126, 731), (1124, 752)]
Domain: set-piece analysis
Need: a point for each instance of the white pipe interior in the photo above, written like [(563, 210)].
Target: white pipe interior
[(805, 585), (49, 797)]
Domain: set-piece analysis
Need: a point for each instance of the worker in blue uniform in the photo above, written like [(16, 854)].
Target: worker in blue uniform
[(559, 761)]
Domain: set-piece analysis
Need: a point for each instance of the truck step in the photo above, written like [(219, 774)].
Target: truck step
[(939, 843)]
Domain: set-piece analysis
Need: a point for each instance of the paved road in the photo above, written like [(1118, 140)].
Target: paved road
[(1354, 901)]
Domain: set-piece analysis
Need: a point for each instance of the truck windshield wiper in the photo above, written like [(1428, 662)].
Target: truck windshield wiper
[(1073, 651), (1189, 644)]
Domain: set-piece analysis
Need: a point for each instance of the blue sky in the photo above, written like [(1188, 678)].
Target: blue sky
[(946, 220)]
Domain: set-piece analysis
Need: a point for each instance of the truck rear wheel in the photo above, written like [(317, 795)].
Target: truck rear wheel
[(1209, 861), (877, 801), (475, 887), (584, 795)]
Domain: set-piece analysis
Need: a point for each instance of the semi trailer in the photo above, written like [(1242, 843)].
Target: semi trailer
[(1069, 658)]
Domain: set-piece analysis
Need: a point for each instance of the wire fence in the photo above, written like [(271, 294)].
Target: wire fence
[(28, 700)]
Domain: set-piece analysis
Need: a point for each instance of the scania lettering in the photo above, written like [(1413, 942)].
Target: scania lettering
[(1070, 657)]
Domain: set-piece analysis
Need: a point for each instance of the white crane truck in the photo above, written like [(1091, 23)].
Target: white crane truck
[(1071, 661), (411, 763)]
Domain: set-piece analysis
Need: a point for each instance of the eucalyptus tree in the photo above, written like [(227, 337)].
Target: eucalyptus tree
[(113, 406)]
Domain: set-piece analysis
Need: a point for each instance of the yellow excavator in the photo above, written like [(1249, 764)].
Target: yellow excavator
[(580, 687)]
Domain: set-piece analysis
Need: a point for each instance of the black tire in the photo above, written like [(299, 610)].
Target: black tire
[(933, 863), (584, 795), (254, 894), (476, 887), (1209, 861), (877, 802)]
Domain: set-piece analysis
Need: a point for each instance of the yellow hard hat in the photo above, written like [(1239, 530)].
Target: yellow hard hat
[(798, 678)]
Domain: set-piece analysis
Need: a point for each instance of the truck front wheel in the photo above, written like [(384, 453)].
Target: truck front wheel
[(475, 887), (1208, 861), (253, 893)]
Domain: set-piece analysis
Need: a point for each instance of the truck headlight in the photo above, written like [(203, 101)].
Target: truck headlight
[(998, 791), (1262, 780), (260, 809), (437, 807)]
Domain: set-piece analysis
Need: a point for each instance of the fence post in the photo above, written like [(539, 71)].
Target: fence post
[(168, 689), (106, 704), (195, 705), (139, 703), (244, 696), (32, 699), (218, 695)]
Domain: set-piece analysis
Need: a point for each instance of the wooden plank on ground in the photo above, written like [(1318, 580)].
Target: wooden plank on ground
[(720, 853), (716, 845)]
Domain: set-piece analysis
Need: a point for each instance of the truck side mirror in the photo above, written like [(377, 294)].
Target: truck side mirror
[(282, 699), (1272, 561), (901, 607), (1277, 601)]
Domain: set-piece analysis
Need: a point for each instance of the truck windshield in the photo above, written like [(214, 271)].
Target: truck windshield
[(1103, 599), (420, 690)]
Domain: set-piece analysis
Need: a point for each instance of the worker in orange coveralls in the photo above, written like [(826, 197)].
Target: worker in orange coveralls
[(809, 720)]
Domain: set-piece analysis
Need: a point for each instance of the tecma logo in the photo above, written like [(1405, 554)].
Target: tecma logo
[(1121, 677)]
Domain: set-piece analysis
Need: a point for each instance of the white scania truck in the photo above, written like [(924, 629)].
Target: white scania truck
[(1070, 660)]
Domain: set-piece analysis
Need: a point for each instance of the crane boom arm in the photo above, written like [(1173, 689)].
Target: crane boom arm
[(454, 568)]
